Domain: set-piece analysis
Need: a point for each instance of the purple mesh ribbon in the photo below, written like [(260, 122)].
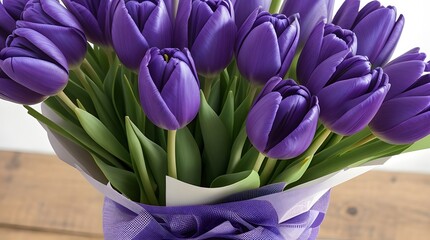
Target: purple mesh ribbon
[(245, 219)]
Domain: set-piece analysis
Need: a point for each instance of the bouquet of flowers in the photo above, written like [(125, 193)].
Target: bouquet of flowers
[(215, 119)]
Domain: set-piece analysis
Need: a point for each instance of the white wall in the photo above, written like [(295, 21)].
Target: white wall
[(20, 132)]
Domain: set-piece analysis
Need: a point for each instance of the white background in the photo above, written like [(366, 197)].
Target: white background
[(20, 132)]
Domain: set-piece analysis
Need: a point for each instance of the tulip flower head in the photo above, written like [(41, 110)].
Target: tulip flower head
[(138, 26), (58, 25), (283, 120), (266, 45), (405, 113), (169, 87), (208, 29), (352, 96), (311, 13), (95, 18), (326, 48), (375, 26), (31, 68)]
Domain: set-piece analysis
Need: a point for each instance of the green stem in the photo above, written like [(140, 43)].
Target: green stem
[(66, 100), (207, 86), (171, 153), (267, 170), (275, 6), (360, 143), (91, 72), (259, 162)]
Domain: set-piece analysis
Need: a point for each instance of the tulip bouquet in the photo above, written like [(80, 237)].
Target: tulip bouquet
[(152, 98)]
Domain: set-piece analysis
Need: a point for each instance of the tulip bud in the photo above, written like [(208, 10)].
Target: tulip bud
[(137, 26), (52, 20), (375, 26), (283, 120), (404, 115), (326, 48), (266, 45), (352, 96), (169, 87), (32, 68), (15, 7), (311, 13), (207, 28), (95, 18), (244, 8)]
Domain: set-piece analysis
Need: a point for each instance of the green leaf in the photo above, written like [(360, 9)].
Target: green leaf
[(241, 113), (133, 109), (123, 180), (216, 140), (215, 96), (243, 181), (101, 135), (237, 149), (188, 158), (294, 171), (156, 158), (76, 135), (227, 113), (139, 163), (247, 162), (419, 145)]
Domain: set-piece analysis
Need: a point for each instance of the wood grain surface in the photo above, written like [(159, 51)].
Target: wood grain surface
[(42, 198)]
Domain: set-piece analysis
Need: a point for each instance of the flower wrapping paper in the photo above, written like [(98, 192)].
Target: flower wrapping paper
[(292, 214)]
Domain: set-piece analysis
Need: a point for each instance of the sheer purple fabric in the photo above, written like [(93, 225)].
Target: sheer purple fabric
[(244, 219)]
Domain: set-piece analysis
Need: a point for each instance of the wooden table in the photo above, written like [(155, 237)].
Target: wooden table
[(43, 198)]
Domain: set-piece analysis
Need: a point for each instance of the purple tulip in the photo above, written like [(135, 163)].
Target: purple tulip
[(94, 17), (311, 13), (405, 70), (169, 87), (52, 20), (326, 48), (352, 96), (266, 45), (207, 28), (404, 115), (283, 120), (138, 26), (244, 8), (405, 118), (31, 68), (375, 26)]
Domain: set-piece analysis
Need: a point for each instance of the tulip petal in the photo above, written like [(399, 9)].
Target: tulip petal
[(347, 14), (259, 59), (88, 22), (413, 54), (57, 13), (219, 32), (407, 132), (268, 87), (44, 44), (71, 42), (244, 8), (300, 139), (182, 94), (403, 75), (127, 40), (245, 29), (182, 17), (288, 42), (12, 91), (158, 28), (323, 72), (260, 120), (152, 103), (43, 77), (391, 43), (389, 115), (373, 31)]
